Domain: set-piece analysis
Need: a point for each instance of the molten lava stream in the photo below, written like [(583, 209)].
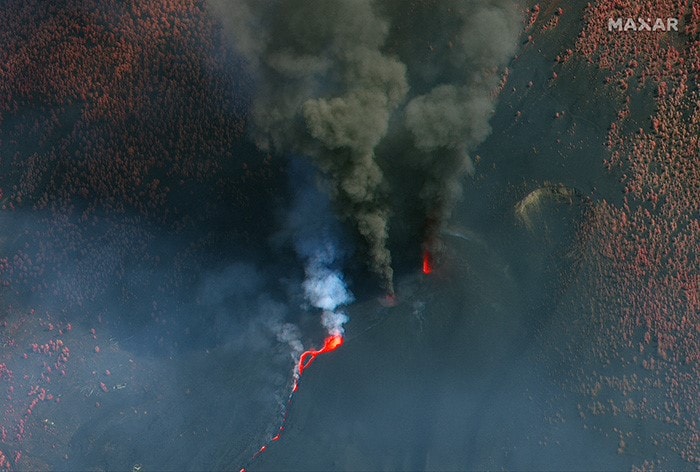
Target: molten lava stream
[(330, 344)]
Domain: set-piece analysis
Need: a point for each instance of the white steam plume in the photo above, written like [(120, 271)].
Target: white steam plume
[(325, 288), (316, 237)]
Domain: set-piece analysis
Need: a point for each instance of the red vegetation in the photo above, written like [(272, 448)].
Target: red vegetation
[(534, 14), (127, 91), (113, 109), (642, 286), (615, 51)]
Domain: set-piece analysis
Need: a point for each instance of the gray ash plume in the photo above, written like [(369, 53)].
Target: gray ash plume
[(336, 78)]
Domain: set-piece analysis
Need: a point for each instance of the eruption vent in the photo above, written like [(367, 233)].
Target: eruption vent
[(366, 89), (336, 80), (427, 262)]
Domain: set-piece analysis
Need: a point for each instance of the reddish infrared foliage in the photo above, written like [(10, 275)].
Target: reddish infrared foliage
[(639, 290)]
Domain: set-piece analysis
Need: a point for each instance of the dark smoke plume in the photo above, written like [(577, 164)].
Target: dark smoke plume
[(454, 52), (335, 78)]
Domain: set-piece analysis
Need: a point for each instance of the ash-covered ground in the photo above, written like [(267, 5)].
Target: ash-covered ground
[(194, 193)]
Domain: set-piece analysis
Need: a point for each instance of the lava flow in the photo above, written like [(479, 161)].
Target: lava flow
[(330, 344)]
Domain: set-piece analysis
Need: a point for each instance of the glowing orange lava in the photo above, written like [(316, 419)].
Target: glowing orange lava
[(427, 263), (331, 343)]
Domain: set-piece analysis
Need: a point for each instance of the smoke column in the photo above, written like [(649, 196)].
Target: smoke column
[(454, 97), (336, 79), (325, 90)]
